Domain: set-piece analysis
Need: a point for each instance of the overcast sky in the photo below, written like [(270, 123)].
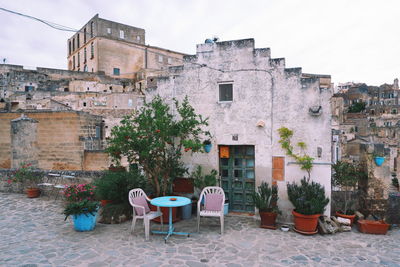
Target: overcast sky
[(352, 40)]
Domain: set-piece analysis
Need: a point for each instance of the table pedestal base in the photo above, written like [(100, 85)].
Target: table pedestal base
[(171, 229)]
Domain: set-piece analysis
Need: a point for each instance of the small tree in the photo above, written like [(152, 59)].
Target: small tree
[(155, 138), (346, 176), (305, 161)]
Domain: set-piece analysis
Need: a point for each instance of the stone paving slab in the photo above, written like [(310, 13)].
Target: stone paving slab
[(33, 233)]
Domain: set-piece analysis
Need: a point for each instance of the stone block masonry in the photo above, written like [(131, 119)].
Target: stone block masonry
[(60, 139)]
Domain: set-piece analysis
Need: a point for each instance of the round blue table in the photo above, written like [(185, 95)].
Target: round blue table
[(167, 202)]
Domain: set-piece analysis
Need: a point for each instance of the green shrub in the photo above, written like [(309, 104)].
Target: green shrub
[(115, 186), (308, 198), (200, 181), (266, 198)]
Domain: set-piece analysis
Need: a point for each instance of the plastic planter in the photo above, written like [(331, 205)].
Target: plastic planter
[(379, 160), (84, 222), (207, 148)]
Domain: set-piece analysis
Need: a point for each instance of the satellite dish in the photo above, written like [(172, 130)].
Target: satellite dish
[(215, 38), (208, 41)]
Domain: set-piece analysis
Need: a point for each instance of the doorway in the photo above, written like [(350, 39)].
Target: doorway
[(237, 171)]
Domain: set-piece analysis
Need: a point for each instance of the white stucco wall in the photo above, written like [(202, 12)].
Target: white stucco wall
[(262, 90)]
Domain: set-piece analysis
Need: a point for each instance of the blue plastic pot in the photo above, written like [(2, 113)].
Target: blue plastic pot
[(84, 222), (379, 160), (187, 212), (207, 148), (226, 208)]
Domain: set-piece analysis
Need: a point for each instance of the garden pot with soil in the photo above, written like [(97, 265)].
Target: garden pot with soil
[(305, 224), (32, 192)]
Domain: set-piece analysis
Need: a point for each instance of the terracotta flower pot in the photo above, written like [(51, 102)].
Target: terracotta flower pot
[(350, 217), (373, 227), (32, 192), (306, 224), (165, 212), (268, 219), (105, 202)]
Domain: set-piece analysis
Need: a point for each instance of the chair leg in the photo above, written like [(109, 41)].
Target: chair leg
[(147, 228), (133, 224), (198, 222), (222, 224), (161, 218)]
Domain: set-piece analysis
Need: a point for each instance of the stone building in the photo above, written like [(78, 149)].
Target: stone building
[(247, 96), (52, 140), (365, 123), (118, 50)]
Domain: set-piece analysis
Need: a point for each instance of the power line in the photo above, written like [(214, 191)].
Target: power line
[(48, 23)]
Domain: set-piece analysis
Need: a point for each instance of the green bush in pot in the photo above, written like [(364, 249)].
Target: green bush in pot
[(308, 198)]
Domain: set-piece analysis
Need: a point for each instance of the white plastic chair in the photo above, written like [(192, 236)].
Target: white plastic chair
[(216, 212), (134, 195)]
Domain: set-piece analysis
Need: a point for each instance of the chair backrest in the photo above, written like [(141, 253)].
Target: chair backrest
[(216, 198), (139, 198)]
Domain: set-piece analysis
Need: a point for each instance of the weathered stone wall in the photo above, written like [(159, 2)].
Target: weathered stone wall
[(263, 90), (95, 161), (60, 138)]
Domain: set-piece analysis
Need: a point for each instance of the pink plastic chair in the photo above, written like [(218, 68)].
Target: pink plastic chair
[(214, 199), (138, 200)]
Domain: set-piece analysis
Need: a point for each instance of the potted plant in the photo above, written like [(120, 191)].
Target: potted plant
[(346, 176), (308, 197), (200, 181), (82, 206), (207, 145), (28, 179), (309, 201), (266, 201), (84, 214)]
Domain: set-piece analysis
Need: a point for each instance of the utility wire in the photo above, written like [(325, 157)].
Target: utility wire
[(69, 29), (48, 23)]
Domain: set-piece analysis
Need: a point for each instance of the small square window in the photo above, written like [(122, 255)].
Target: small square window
[(160, 58), (121, 34), (225, 92), (109, 30), (116, 71), (138, 38), (169, 60)]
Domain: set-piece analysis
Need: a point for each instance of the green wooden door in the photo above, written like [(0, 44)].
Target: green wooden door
[(238, 177)]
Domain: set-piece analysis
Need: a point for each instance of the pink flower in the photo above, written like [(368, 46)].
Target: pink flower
[(9, 181)]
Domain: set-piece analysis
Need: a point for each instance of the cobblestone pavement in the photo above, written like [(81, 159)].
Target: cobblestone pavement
[(33, 233)]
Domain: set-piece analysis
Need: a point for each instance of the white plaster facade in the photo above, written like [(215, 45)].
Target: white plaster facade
[(263, 90)]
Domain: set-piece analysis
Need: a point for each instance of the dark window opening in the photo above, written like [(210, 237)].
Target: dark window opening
[(77, 41), (91, 29), (84, 35), (69, 47), (84, 104), (105, 91), (73, 44), (87, 88), (225, 92), (66, 89), (2, 100), (116, 71), (28, 97), (91, 50), (84, 55), (79, 59), (110, 87)]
